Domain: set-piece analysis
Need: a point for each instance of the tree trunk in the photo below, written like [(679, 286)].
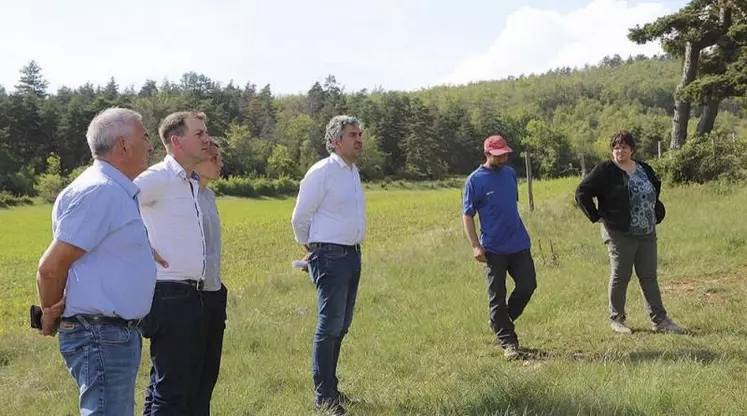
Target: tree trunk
[(708, 118), (711, 104), (583, 165), (681, 107)]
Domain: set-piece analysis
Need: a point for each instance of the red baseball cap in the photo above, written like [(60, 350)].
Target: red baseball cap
[(496, 146)]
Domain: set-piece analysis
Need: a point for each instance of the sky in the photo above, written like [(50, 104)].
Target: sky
[(290, 44)]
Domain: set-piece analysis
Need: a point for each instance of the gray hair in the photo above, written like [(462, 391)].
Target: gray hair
[(335, 129), (107, 126)]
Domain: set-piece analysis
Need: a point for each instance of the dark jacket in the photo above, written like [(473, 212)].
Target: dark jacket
[(609, 185)]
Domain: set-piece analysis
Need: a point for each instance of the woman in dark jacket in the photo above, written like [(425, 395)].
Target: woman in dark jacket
[(627, 192)]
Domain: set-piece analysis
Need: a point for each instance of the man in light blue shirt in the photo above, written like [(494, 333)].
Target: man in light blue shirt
[(96, 279)]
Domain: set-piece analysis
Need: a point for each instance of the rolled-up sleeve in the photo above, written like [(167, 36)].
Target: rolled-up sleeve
[(310, 195)]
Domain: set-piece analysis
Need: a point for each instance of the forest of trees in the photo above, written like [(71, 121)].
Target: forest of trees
[(562, 118)]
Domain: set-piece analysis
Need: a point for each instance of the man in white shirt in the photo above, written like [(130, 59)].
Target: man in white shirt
[(172, 215), (329, 220)]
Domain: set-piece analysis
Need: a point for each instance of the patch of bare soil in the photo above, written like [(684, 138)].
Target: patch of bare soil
[(709, 289)]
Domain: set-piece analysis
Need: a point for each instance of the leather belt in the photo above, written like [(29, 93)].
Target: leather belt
[(356, 247), (103, 320), (199, 285)]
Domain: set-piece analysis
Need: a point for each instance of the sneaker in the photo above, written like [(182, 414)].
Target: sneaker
[(620, 328), (331, 408), (511, 351), (668, 326)]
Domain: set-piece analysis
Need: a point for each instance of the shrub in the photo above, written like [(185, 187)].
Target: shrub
[(235, 186), (254, 187), (8, 200), (50, 185), (264, 187), (285, 186), (704, 159)]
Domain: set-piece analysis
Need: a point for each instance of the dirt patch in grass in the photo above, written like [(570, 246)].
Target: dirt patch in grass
[(709, 289)]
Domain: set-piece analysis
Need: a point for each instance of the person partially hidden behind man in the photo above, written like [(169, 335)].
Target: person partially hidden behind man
[(214, 296)]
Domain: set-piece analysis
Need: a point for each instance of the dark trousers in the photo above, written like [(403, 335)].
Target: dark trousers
[(336, 271), (502, 313), (214, 320), (176, 332)]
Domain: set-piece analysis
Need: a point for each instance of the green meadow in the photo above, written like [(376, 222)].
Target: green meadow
[(420, 342)]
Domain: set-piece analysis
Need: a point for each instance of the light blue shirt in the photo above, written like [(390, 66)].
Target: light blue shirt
[(211, 226), (98, 212)]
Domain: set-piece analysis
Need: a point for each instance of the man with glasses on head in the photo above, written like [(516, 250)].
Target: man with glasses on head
[(172, 214)]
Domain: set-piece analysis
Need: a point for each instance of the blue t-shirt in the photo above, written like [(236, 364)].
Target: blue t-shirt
[(493, 195)]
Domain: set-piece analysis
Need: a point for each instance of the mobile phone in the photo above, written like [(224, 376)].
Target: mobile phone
[(36, 317)]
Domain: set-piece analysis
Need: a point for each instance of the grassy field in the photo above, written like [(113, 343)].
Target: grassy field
[(420, 341)]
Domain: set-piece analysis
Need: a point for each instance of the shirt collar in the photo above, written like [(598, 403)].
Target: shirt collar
[(117, 176), (340, 161), (178, 169)]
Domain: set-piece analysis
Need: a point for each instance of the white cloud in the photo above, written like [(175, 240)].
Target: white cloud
[(534, 41)]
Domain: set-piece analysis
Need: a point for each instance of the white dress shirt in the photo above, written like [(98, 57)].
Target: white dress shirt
[(172, 215), (330, 207)]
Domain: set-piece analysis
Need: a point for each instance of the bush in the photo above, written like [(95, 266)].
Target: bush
[(8, 200), (76, 172), (264, 187), (50, 185), (235, 186), (285, 186), (703, 159), (252, 188)]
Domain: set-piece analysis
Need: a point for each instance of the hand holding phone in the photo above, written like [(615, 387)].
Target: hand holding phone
[(36, 317)]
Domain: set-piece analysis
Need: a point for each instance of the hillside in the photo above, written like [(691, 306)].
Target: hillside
[(428, 134)]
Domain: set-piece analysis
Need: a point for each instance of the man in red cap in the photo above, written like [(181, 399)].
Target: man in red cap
[(492, 192)]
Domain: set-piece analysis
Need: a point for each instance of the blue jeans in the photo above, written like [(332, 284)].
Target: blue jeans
[(336, 271), (103, 359)]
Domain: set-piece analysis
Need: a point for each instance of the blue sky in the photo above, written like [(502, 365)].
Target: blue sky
[(290, 44)]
